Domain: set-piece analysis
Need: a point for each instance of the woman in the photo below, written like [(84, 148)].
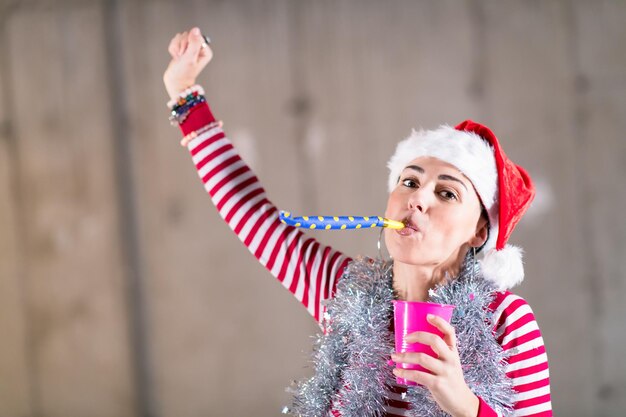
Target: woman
[(457, 193)]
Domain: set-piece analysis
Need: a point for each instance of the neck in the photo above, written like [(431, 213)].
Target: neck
[(412, 282)]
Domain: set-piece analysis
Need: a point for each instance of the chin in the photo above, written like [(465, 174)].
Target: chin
[(415, 253), (408, 255), (412, 259)]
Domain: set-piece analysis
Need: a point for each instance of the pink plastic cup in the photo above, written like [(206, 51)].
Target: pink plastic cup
[(409, 317)]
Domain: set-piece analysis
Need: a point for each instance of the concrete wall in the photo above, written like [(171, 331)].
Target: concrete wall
[(122, 293)]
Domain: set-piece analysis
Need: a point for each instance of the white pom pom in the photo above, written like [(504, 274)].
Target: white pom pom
[(504, 267)]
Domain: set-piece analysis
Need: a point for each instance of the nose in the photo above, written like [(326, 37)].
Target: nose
[(418, 200), (413, 205)]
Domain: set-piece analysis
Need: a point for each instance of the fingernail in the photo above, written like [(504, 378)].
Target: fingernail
[(195, 31), (430, 317)]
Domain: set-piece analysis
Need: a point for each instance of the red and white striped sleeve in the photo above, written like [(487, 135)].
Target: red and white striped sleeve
[(519, 335), (308, 269)]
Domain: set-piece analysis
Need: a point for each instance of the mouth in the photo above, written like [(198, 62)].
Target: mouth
[(410, 223), (410, 227)]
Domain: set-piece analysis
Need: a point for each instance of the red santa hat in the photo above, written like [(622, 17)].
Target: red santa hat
[(504, 189)]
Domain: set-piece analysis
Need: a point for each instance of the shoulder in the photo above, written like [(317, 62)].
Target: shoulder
[(514, 322), (506, 305), (518, 333)]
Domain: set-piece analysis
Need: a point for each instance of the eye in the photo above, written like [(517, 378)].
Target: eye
[(448, 195), (410, 183)]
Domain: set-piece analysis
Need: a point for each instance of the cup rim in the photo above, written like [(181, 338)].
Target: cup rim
[(424, 303)]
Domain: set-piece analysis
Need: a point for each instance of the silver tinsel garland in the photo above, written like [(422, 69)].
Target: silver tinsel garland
[(352, 374)]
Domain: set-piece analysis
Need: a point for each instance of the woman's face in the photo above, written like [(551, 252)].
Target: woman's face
[(440, 209)]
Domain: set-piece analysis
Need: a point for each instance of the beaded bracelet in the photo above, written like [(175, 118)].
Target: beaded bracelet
[(180, 112), (183, 94), (181, 106)]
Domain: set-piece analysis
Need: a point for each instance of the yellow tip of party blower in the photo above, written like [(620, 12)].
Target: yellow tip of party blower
[(393, 224), (338, 222)]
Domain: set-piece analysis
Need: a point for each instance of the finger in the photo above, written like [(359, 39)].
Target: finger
[(194, 44), (205, 55), (449, 334), (182, 46), (172, 48), (220, 124), (436, 343), (434, 365), (420, 377)]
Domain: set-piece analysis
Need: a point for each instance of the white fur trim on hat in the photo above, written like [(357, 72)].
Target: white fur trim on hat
[(504, 267), (467, 151)]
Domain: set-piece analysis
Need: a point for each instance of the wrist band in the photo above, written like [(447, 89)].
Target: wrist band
[(191, 136)]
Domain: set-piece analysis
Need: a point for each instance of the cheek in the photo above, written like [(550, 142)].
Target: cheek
[(387, 212), (394, 204), (391, 205), (458, 223)]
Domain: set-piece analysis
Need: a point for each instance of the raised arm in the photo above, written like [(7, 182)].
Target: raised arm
[(306, 268)]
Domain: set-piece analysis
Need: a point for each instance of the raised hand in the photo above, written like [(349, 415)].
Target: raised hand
[(190, 54)]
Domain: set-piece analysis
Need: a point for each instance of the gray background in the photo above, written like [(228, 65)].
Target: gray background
[(122, 293)]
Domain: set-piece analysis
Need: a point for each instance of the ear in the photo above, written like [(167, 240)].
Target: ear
[(481, 234)]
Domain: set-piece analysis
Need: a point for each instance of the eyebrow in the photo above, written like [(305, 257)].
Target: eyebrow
[(416, 168), (441, 177)]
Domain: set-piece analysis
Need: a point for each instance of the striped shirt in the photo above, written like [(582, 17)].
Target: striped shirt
[(310, 270)]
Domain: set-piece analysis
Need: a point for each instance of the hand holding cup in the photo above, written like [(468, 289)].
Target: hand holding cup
[(427, 354), (414, 333)]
